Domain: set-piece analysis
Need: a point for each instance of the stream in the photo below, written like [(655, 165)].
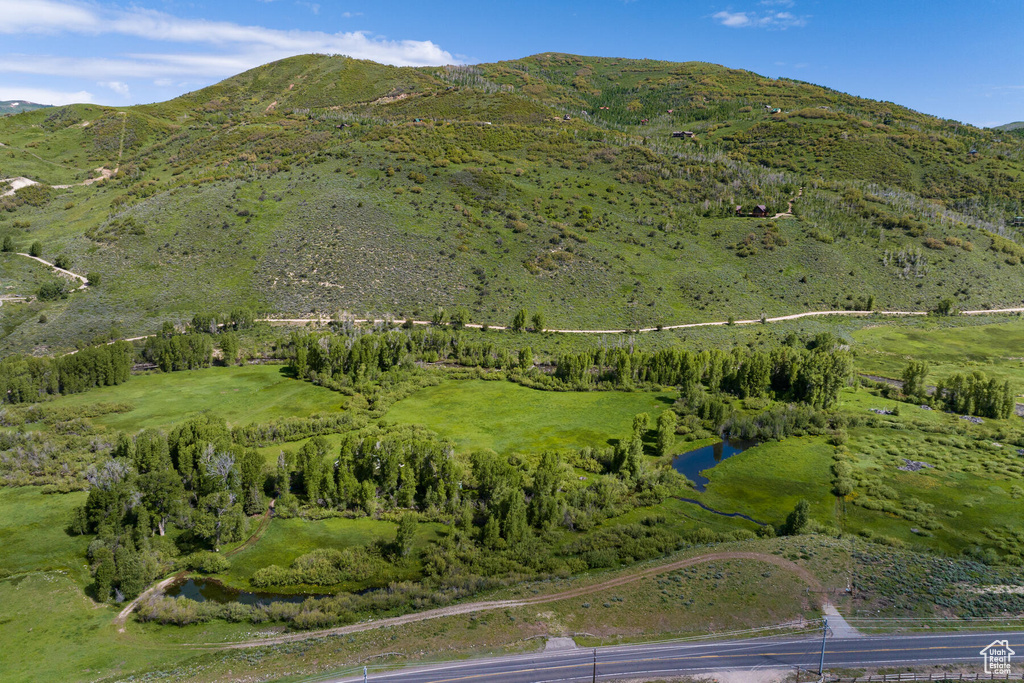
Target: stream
[(201, 590), (692, 463)]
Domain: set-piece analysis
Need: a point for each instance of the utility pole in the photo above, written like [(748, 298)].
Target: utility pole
[(364, 674), (824, 632), (595, 665)]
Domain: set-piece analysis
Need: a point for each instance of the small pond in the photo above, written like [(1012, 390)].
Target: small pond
[(201, 590), (694, 462)]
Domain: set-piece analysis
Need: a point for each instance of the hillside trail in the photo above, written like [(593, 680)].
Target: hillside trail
[(67, 273), (18, 182), (321, 320), (788, 213), (814, 585)]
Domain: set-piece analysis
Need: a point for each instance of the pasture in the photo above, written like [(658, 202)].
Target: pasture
[(507, 417)]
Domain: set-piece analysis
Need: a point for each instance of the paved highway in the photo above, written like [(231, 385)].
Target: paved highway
[(673, 659)]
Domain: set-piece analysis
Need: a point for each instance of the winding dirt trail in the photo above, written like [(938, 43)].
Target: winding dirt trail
[(67, 273), (794, 316), (490, 605)]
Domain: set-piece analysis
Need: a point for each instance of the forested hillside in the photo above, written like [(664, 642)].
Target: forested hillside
[(319, 184)]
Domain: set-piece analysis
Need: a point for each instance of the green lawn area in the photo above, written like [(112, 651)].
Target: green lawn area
[(32, 532), (767, 481), (51, 630), (997, 349), (241, 395), (505, 416), (287, 539)]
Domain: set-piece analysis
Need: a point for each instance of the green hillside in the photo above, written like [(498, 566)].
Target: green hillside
[(320, 184)]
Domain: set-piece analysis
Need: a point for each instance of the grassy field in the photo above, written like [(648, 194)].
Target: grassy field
[(506, 417), (43, 608), (287, 539), (996, 349), (241, 395), (767, 481)]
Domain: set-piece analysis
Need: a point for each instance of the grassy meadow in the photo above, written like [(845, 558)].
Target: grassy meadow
[(241, 395), (507, 417), (996, 349)]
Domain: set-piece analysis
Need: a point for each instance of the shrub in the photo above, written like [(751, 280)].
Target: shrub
[(207, 562), (36, 249), (51, 291)]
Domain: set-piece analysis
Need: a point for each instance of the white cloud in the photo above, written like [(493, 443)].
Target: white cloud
[(252, 45), (45, 16), (769, 20), (119, 87), (44, 95), (732, 19), (351, 15)]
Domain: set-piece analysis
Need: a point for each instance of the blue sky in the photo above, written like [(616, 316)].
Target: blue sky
[(956, 60)]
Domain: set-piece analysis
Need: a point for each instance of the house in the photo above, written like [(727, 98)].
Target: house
[(739, 210), (760, 211), (689, 134), (1017, 221), (677, 133)]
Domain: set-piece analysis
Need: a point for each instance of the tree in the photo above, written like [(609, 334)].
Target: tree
[(36, 249), (163, 495), (406, 532), (105, 571), (8, 243), (797, 520), (538, 322), (946, 307), (51, 291), (666, 432), (514, 527), (218, 517), (440, 317), (913, 378), (229, 347), (460, 317), (241, 318), (526, 358), (546, 505), (519, 321), (310, 466), (368, 497)]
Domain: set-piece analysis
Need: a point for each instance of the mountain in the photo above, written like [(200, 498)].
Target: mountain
[(1010, 126), (18, 106), (553, 182)]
